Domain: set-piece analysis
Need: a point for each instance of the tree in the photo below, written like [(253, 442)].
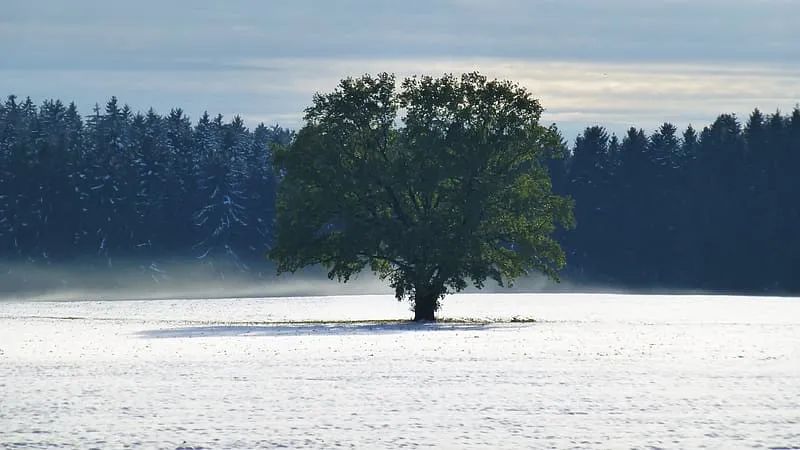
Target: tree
[(635, 172), (661, 242), (720, 156), (453, 190), (589, 177), (222, 218)]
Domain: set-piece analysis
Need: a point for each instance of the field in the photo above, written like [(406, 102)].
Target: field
[(592, 371)]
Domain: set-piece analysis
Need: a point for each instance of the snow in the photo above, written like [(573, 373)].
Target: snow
[(597, 371)]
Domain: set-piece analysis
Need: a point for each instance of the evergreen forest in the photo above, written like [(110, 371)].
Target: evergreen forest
[(696, 209)]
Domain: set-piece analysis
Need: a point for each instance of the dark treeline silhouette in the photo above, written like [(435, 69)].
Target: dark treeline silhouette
[(715, 209), (122, 185)]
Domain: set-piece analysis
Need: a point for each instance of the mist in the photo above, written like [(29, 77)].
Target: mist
[(136, 280), (140, 280), (132, 279)]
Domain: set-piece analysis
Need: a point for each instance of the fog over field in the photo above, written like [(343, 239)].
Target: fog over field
[(144, 280), (139, 280)]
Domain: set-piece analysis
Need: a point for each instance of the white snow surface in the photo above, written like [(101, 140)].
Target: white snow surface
[(593, 371)]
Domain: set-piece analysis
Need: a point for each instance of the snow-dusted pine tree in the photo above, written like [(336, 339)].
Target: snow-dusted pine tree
[(222, 218)]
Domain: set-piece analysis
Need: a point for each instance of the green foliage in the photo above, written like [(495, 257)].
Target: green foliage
[(431, 185)]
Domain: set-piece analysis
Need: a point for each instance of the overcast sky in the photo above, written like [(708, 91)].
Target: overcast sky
[(612, 62)]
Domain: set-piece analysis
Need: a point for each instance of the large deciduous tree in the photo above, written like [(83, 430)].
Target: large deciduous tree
[(432, 185)]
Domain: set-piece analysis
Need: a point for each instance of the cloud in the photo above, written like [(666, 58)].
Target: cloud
[(575, 94), (93, 33), (615, 62)]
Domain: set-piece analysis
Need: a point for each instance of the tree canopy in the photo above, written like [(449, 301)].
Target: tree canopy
[(432, 184)]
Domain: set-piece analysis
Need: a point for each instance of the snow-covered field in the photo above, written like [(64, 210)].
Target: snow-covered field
[(595, 371)]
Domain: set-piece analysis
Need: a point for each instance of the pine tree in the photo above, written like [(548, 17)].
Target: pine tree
[(181, 191), (721, 159), (664, 209), (635, 171), (221, 219), (18, 147), (588, 185), (150, 160), (687, 272)]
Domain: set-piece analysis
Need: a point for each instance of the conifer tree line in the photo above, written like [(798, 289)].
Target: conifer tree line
[(715, 209), (123, 185)]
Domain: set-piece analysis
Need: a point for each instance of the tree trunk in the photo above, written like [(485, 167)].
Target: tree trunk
[(426, 303)]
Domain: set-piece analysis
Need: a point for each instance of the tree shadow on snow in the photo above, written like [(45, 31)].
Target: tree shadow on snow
[(304, 329)]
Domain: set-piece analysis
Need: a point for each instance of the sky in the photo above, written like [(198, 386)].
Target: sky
[(616, 63)]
